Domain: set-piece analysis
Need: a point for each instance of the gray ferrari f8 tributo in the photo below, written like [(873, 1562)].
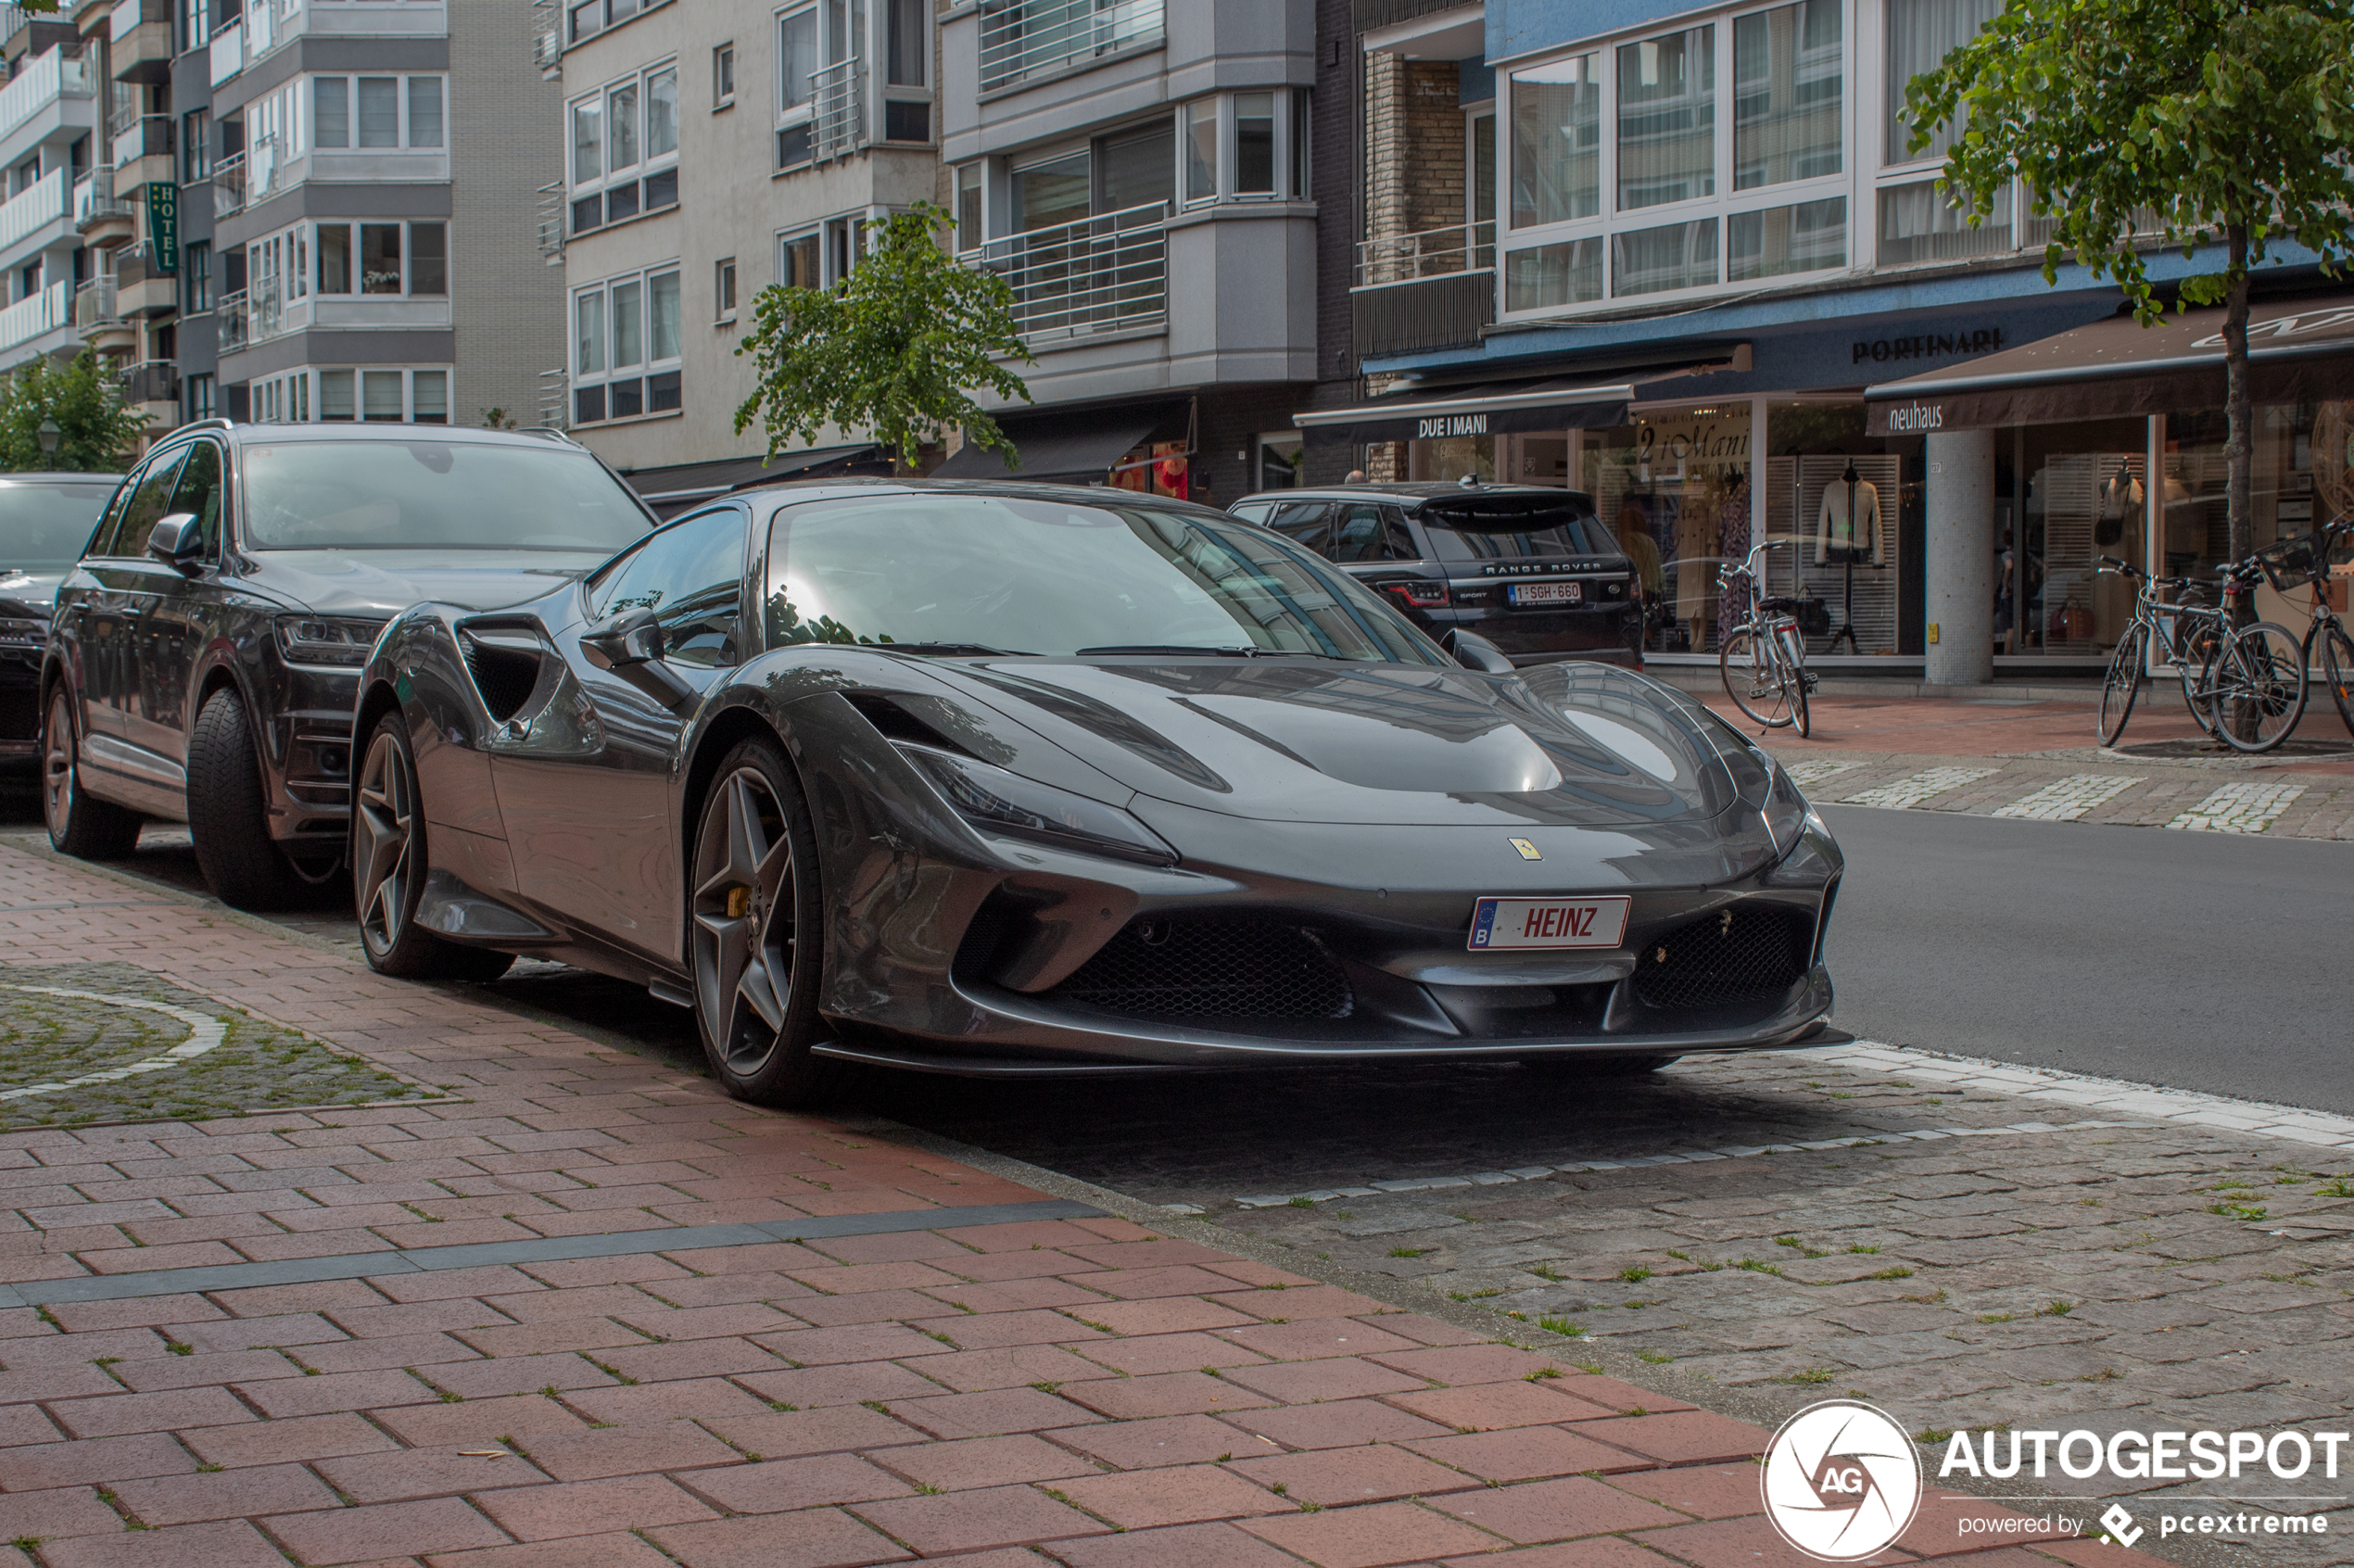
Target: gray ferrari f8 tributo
[(1031, 779)]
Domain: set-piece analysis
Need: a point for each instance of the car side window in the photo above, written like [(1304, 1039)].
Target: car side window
[(198, 492), (1357, 533), (150, 494), (1303, 521), (1253, 512), (1401, 536), (690, 574)]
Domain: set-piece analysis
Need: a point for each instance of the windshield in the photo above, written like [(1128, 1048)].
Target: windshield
[(1032, 576), (433, 495), (44, 526), (1520, 533)]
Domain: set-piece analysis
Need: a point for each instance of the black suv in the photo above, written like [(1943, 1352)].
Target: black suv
[(1530, 569), (44, 521), (205, 655)]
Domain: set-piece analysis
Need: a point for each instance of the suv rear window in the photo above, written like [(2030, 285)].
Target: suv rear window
[(1513, 531)]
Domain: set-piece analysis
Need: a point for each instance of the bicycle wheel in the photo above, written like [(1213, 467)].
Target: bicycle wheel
[(2124, 683), (1753, 677), (2259, 687), (2193, 661), (1794, 681), (2337, 669)]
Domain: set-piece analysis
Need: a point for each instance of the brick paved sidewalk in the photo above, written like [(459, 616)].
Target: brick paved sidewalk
[(440, 1333)]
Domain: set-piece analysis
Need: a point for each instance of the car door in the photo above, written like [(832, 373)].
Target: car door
[(178, 612), (591, 832), (125, 581)]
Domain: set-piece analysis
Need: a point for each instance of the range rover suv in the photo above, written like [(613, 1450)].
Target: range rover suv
[(1530, 569), (44, 521), (205, 653)]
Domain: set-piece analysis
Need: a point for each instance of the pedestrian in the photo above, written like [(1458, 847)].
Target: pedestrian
[(1356, 476)]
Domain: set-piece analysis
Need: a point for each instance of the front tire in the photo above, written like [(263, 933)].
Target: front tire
[(2123, 684), (80, 825), (756, 933), (229, 813), (389, 867)]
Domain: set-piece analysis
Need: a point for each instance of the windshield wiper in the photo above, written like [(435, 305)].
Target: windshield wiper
[(1176, 648), (958, 650)]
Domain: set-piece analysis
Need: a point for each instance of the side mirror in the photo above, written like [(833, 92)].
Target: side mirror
[(634, 636), (1476, 653), (177, 539)]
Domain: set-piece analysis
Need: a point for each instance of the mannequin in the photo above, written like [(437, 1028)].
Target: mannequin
[(2118, 529), (1847, 531)]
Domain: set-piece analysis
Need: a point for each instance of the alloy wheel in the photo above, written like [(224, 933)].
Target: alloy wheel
[(744, 921), (385, 841), (57, 765)]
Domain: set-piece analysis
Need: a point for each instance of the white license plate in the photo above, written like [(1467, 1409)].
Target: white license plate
[(1547, 593), (1548, 922)]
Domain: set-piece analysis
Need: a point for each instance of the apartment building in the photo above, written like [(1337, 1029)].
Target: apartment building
[(1688, 261), (710, 149), (1140, 172)]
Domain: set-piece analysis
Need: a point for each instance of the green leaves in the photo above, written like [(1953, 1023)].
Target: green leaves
[(96, 434), (896, 349)]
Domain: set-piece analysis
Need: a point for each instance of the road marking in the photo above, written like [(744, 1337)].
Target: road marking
[(1805, 773), (1907, 794), (2066, 800), (2238, 808), (204, 1035)]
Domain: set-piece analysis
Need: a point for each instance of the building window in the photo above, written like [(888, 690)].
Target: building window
[(383, 259), (1557, 141), (1921, 34), (592, 16), (723, 290), (1246, 146), (625, 150), (201, 394), (723, 76), (375, 113), (195, 278), (195, 147), (1808, 237), (968, 231), (910, 43), (800, 262), (1787, 92), (817, 80), (1667, 119), (625, 347), (394, 395)]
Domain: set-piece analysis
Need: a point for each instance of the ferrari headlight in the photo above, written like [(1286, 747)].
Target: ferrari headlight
[(17, 632), (1009, 806), (326, 639)]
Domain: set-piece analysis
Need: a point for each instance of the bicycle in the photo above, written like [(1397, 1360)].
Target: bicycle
[(2253, 679), (2188, 632), (1766, 647), (2303, 562)]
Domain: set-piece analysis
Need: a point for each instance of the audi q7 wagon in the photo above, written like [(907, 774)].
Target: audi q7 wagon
[(203, 658), (1530, 569)]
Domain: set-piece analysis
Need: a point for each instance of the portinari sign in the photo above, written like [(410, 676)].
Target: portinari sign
[(1927, 346)]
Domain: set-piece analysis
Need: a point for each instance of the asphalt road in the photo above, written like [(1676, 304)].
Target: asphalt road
[(2202, 961)]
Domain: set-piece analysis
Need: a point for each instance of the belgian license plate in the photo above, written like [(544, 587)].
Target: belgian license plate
[(1548, 922), (1547, 593)]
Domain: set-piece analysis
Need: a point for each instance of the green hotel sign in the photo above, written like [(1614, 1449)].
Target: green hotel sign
[(164, 225)]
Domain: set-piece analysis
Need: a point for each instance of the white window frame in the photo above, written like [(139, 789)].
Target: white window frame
[(298, 397), (832, 50), (648, 367), (1859, 85), (645, 172), (598, 15), (1288, 168), (304, 114)]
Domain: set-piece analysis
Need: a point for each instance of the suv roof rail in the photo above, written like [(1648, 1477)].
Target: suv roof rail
[(216, 422), (547, 430)]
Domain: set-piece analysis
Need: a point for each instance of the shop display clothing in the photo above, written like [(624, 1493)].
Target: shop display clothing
[(1733, 543), (1848, 526)]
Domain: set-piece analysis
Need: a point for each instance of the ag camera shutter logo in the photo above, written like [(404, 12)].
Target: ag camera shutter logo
[(1841, 1481)]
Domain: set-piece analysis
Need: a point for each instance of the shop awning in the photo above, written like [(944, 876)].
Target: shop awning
[(1078, 446), (1506, 407), (2298, 352), (675, 488)]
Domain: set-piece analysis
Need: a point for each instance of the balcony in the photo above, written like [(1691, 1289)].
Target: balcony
[(141, 287), (36, 316), (151, 381), (138, 136), (840, 125), (231, 318), (1435, 289), (33, 210), (1102, 275), (98, 320), (228, 53), (41, 84), (98, 214), (141, 34), (1023, 39), (229, 186)]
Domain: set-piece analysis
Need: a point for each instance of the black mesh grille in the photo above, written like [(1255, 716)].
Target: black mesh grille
[(505, 677), (1735, 956), (19, 713), (1178, 969)]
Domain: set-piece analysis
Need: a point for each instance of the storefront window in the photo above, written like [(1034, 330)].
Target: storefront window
[(1674, 488), (2302, 476), (2078, 491)]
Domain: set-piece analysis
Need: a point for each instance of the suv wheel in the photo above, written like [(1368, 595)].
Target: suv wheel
[(228, 814), (80, 825)]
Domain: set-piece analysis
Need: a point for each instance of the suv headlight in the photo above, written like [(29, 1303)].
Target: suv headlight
[(1009, 806), (326, 639)]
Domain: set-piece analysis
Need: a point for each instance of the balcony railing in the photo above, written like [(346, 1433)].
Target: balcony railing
[(229, 186), (267, 317), (1100, 275), (151, 381), (32, 209), (147, 135), (94, 200), (1026, 38), (841, 111), (50, 77), (134, 265), (93, 305), (231, 318), (1459, 247), (34, 314)]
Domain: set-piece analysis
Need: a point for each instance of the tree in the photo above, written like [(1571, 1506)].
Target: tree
[(896, 348), (2230, 120), (96, 433)]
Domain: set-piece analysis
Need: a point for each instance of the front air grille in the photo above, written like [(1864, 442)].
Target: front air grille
[(1738, 957), (1180, 970), (505, 677), (19, 713)]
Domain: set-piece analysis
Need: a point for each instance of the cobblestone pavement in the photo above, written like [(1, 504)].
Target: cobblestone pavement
[(596, 1314)]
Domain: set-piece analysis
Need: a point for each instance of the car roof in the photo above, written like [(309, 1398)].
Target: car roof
[(799, 490), (1411, 491), (276, 433), (61, 476)]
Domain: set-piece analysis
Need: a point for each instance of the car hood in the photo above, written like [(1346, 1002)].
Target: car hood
[(28, 596), (1315, 740), (383, 582)]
